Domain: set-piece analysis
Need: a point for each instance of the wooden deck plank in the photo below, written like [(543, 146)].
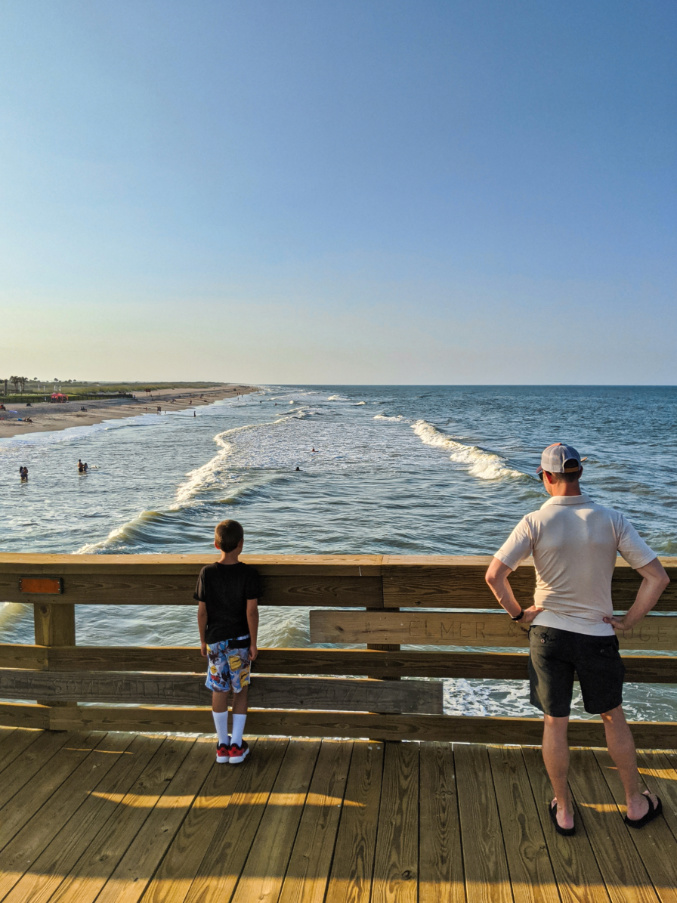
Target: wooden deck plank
[(576, 871), (14, 743), (172, 880), (623, 871), (220, 869), (531, 874), (486, 870), (659, 772), (137, 866), (99, 860), (121, 821), (5, 734), (396, 858), (352, 869), (264, 870), (441, 878), (308, 869), (59, 858), (653, 842), (42, 822), (53, 756)]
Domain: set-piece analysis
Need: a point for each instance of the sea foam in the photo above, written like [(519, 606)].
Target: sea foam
[(485, 465)]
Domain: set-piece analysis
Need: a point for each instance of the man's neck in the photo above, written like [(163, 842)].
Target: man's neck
[(564, 488)]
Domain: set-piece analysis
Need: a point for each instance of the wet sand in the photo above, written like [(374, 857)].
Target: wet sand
[(47, 416)]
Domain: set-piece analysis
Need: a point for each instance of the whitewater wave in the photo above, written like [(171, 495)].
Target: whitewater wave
[(396, 419), (132, 529), (210, 475), (483, 464)]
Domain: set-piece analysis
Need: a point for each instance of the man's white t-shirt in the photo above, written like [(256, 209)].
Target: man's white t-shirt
[(574, 542)]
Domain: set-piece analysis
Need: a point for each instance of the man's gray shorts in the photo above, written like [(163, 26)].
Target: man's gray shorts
[(555, 655)]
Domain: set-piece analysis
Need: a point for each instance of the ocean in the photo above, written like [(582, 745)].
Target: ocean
[(381, 469)]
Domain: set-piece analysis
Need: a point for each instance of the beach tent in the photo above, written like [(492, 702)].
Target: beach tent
[(58, 396)]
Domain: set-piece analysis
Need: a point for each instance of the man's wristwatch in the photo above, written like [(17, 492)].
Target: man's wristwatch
[(519, 616)]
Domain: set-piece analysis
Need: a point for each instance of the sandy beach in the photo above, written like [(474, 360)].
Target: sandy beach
[(47, 416)]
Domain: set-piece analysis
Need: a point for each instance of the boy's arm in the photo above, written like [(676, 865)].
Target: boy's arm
[(202, 626), (253, 623)]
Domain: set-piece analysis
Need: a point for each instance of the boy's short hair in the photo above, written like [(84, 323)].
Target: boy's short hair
[(228, 535)]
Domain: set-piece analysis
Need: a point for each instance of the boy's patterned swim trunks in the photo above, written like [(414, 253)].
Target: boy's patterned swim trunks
[(228, 666)]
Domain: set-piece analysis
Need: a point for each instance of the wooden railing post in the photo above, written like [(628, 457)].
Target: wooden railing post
[(383, 647), (54, 626)]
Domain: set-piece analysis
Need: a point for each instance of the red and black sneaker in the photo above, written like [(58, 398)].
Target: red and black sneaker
[(222, 753), (238, 753)]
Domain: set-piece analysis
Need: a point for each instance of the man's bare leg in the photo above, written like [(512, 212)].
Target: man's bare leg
[(556, 759), (621, 748)]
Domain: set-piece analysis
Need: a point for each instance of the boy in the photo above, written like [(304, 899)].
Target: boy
[(228, 618)]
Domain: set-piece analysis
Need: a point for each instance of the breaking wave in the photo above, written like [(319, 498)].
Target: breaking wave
[(396, 419), (134, 529), (483, 464), (210, 475)]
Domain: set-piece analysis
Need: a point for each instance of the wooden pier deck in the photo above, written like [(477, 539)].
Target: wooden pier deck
[(122, 817)]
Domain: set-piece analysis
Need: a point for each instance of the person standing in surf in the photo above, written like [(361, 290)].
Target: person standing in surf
[(227, 593), (575, 542)]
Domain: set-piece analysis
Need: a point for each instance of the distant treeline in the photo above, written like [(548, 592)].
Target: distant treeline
[(41, 397), (91, 391)]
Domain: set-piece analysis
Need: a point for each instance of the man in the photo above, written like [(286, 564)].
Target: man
[(574, 543)]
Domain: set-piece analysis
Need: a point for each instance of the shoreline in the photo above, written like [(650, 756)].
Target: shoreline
[(49, 417)]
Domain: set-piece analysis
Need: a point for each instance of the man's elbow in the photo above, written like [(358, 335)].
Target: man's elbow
[(491, 577)]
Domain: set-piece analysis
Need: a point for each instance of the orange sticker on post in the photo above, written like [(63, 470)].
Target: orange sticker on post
[(49, 586)]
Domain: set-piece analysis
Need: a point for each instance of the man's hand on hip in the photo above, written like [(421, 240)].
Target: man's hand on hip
[(529, 615)]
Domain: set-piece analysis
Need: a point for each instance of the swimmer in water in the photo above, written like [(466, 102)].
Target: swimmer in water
[(23, 473), (80, 466), (85, 467)]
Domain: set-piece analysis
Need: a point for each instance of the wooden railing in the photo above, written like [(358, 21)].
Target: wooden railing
[(372, 602)]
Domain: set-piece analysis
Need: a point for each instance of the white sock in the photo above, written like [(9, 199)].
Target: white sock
[(238, 729), (221, 725)]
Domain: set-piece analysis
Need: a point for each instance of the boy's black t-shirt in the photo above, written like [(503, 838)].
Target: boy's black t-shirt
[(225, 588)]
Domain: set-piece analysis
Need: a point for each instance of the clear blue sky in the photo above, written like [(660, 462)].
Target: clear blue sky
[(382, 191)]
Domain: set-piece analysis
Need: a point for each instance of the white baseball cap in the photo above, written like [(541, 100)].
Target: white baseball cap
[(560, 458)]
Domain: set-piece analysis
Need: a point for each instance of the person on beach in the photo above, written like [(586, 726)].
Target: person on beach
[(574, 542), (227, 593)]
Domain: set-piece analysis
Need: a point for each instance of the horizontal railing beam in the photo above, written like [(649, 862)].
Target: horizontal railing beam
[(324, 662), (333, 693), (460, 629), (447, 728), (371, 581)]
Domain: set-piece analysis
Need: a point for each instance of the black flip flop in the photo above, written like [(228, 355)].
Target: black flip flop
[(652, 812), (565, 832)]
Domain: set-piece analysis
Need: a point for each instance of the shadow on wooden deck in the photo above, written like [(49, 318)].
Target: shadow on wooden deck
[(125, 817)]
